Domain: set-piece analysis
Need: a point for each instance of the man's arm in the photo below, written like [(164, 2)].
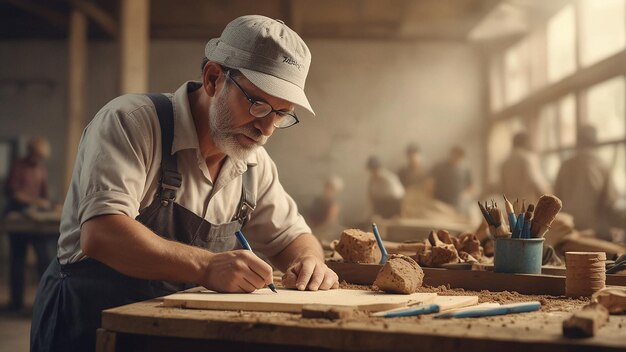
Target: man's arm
[(302, 261), (134, 250)]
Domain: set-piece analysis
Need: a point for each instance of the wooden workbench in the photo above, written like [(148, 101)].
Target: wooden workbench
[(47, 224), (146, 326)]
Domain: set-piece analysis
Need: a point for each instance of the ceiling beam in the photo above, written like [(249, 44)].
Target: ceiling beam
[(478, 16), (56, 19), (98, 15)]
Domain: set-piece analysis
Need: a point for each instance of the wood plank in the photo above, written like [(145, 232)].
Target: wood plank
[(611, 279), (365, 274), (453, 302), (134, 46), (445, 303), (293, 300)]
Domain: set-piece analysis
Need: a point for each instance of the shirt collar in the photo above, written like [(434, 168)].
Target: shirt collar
[(185, 134)]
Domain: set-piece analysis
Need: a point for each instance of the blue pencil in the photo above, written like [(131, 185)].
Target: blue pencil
[(244, 243), (517, 233), (383, 251), (409, 311), (522, 307)]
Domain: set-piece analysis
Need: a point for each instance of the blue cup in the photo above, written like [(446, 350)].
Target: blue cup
[(518, 255)]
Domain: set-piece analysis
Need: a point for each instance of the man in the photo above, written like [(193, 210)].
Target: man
[(412, 174), (585, 185), (452, 179), (27, 187), (521, 175), (384, 190), (155, 202)]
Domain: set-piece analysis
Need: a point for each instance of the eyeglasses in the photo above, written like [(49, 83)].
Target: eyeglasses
[(262, 109)]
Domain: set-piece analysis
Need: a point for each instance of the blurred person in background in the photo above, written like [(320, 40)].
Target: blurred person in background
[(385, 191), (521, 175), (586, 187), (325, 209), (27, 189), (452, 179), (413, 173)]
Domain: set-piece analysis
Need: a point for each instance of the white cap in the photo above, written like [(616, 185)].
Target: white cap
[(268, 53)]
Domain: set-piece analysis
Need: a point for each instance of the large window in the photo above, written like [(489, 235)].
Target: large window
[(500, 145), (557, 134), (561, 44), (614, 156), (496, 84), (557, 124), (517, 72), (547, 83), (605, 109), (603, 29)]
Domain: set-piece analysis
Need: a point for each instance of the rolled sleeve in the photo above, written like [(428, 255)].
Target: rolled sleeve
[(115, 154), (275, 222), (107, 203)]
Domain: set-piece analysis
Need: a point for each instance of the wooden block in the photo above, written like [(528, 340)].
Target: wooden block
[(400, 274), (319, 311), (613, 298), (293, 300), (586, 322), (356, 246)]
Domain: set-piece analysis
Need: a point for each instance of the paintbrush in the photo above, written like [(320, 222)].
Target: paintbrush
[(485, 213), (516, 209), (496, 215), (527, 221), (510, 212), (548, 206)]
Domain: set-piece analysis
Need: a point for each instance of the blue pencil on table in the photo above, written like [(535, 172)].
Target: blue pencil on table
[(244, 243), (409, 311), (522, 307)]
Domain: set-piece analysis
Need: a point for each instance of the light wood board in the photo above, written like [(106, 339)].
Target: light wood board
[(292, 301), (452, 302), (445, 303)]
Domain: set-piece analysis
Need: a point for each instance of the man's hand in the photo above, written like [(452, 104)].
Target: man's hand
[(236, 271), (311, 273)]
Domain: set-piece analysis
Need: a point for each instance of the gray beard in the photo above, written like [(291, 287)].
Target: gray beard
[(225, 135)]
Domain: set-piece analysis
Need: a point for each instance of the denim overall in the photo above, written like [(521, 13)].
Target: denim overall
[(71, 297)]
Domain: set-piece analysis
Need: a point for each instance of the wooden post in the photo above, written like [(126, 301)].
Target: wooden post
[(134, 46), (77, 43)]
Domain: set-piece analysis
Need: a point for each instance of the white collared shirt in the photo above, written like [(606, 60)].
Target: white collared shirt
[(118, 167)]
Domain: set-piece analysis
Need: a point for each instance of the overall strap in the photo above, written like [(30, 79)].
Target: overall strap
[(247, 202), (171, 179)]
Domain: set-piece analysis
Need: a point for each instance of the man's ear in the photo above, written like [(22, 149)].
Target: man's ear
[(211, 77)]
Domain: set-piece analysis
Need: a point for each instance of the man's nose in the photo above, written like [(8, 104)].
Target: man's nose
[(266, 124)]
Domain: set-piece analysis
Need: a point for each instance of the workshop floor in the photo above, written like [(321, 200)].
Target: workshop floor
[(15, 326)]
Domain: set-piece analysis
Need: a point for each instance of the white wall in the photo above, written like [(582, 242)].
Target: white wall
[(375, 98), (371, 97)]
